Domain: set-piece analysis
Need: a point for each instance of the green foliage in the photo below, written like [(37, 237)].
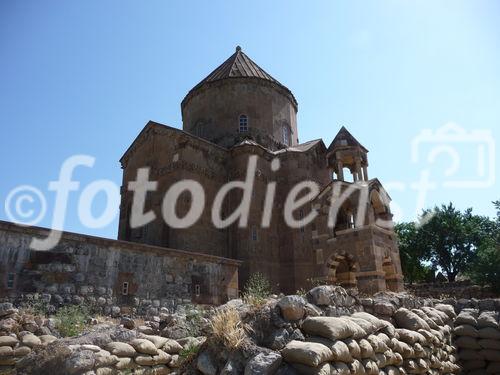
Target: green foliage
[(189, 352), (194, 317), (301, 292), (412, 255), (444, 239), (257, 289), (72, 320), (37, 306), (486, 268)]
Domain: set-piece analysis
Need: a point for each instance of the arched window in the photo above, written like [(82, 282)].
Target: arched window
[(243, 123), (286, 136), (200, 130)]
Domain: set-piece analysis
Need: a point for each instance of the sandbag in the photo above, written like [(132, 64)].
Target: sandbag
[(447, 309), (405, 318), (467, 316), (357, 368), (385, 339), (377, 344), (306, 353), (381, 360), (172, 347), (439, 317), (429, 337), (371, 367), (466, 330), (332, 328), (354, 348), (144, 346), (490, 355), (121, 349), (339, 349), (378, 323), (488, 319), (468, 354), (392, 358), (402, 348), (423, 315), (449, 368), (489, 344), (158, 341), (489, 333), (438, 335), (391, 370), (473, 364), (366, 325), (418, 350), (467, 342), (324, 369), (366, 349), (409, 336), (390, 330), (341, 369)]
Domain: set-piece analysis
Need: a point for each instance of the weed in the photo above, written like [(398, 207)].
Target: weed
[(257, 289), (72, 320), (228, 329)]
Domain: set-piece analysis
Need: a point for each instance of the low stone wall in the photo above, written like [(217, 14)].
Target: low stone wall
[(456, 290), (114, 276)]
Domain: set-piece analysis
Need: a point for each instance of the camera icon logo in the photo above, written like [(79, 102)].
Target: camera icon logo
[(471, 155)]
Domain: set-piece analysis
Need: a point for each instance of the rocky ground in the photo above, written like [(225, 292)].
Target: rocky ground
[(329, 330)]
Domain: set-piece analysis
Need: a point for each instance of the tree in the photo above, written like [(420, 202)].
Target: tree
[(412, 254), (447, 239), (452, 238), (486, 268)]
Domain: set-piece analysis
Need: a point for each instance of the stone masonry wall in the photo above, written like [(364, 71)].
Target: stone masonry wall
[(111, 274)]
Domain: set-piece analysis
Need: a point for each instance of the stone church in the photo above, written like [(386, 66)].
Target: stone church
[(240, 110)]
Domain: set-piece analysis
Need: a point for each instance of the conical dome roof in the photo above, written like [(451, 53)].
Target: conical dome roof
[(239, 65)]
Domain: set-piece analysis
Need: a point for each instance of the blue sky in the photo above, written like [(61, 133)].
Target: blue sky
[(83, 77)]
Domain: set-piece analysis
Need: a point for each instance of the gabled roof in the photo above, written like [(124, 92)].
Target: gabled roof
[(373, 183), (303, 147), (348, 138), (153, 124), (239, 65)]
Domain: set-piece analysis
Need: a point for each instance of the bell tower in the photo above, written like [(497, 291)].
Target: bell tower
[(346, 152)]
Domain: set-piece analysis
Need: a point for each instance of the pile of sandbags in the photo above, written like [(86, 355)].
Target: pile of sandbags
[(14, 347), (362, 344), (477, 336)]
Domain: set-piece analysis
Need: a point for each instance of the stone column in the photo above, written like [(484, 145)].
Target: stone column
[(365, 172), (340, 171), (357, 167)]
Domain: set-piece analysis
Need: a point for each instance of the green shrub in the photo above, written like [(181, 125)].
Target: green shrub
[(72, 320), (194, 319), (257, 289), (189, 352), (37, 306), (486, 268)]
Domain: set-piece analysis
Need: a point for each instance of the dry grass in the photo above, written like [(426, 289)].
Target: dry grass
[(228, 329)]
